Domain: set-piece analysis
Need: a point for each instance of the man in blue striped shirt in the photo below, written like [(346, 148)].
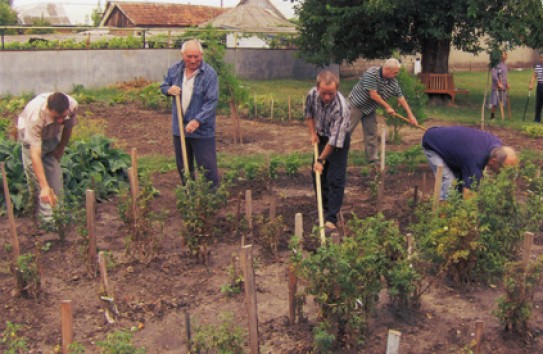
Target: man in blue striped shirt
[(538, 74), (375, 87), (197, 84), (328, 119)]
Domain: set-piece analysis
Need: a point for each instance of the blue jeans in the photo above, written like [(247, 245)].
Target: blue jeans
[(448, 175), (333, 178), (204, 151)]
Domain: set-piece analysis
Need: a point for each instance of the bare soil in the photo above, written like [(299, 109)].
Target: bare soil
[(154, 297)]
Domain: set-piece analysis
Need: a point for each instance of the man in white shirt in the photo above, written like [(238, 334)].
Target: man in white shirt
[(45, 127)]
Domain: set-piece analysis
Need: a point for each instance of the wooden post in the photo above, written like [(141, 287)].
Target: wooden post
[(299, 225), (289, 109), (271, 109), (303, 104), (250, 296), (273, 207), (254, 101), (133, 187), (424, 184), (528, 243), (383, 147), (393, 342), (187, 331), (103, 272), (238, 214), (66, 316), (437, 187), (134, 157), (248, 213), (91, 229), (409, 240), (292, 287), (11, 218), (479, 326)]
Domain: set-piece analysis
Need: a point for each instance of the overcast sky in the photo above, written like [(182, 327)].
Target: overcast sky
[(226, 3)]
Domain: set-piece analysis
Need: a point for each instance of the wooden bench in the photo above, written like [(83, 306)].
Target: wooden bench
[(441, 84)]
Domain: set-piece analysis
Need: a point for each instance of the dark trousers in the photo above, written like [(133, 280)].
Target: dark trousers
[(333, 178), (538, 102), (204, 151)]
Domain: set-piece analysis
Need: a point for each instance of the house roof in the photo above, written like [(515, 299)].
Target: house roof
[(253, 15), (162, 14)]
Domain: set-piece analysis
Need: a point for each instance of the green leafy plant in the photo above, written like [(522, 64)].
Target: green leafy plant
[(14, 343), (224, 338), (62, 218), (515, 307), (119, 342), (76, 348), (144, 226), (199, 202), (292, 164), (235, 278), (28, 272), (270, 232), (533, 130)]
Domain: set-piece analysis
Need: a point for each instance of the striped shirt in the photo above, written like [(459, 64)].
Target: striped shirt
[(373, 79), (332, 120), (538, 70)]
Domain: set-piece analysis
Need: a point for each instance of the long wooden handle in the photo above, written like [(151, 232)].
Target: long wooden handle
[(182, 135), (319, 196), (396, 115)]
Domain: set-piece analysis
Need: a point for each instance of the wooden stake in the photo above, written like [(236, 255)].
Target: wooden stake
[(134, 157), (292, 288), (133, 191), (187, 331), (248, 213), (393, 342), (303, 105), (103, 272), (238, 215), (319, 196), (250, 297), (437, 187), (409, 240), (289, 109), (299, 225), (11, 218), (383, 147), (528, 243), (538, 173), (271, 109), (423, 184), (479, 326), (91, 229), (273, 207), (66, 316), (254, 100)]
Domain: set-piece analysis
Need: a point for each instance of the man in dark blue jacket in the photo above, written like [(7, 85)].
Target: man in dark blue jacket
[(464, 153), (197, 84)]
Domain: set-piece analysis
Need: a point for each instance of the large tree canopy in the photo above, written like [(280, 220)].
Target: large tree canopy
[(8, 16), (347, 29)]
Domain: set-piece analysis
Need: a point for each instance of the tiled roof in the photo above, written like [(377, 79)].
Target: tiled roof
[(161, 14)]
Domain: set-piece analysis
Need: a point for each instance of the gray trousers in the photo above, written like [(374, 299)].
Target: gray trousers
[(369, 128), (53, 174)]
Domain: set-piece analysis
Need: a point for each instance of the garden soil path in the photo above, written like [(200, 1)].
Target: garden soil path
[(153, 298)]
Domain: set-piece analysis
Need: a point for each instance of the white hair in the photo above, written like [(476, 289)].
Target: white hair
[(392, 63), (194, 42)]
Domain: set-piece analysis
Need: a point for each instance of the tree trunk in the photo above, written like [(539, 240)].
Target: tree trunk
[(435, 55)]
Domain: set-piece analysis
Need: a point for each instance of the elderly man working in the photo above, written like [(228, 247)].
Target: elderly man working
[(327, 117), (464, 153), (375, 87)]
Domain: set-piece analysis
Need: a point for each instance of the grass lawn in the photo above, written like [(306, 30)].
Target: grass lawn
[(467, 109)]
